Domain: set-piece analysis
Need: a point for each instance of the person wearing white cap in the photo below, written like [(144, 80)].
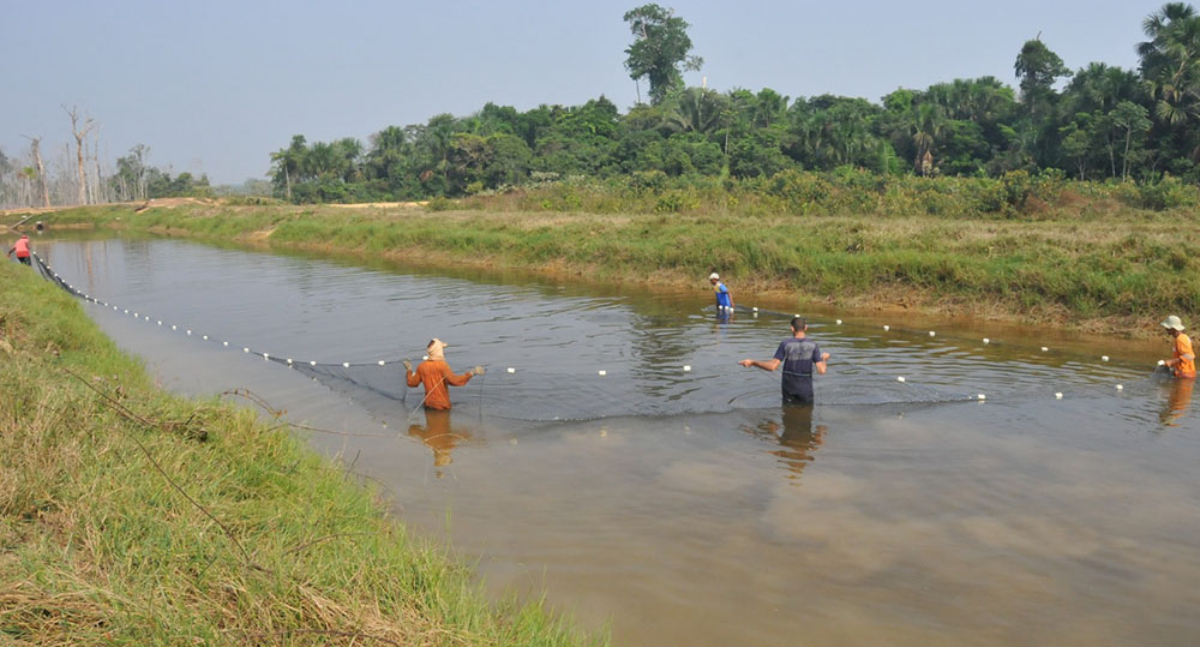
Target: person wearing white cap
[(1183, 360), (724, 298)]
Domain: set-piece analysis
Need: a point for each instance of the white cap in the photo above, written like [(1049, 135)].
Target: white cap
[(714, 275)]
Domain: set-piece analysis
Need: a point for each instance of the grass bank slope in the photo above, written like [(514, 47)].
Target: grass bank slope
[(132, 517), (1086, 263)]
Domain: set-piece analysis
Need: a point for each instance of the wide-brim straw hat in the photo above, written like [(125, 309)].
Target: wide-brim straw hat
[(1173, 323)]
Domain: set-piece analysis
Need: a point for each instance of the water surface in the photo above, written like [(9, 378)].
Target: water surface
[(687, 507)]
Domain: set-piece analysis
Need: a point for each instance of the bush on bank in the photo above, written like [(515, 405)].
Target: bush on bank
[(844, 191)]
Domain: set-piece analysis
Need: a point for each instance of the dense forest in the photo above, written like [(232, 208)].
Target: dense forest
[(1098, 122)]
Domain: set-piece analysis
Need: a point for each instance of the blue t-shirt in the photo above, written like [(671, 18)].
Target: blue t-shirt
[(722, 295), (798, 357)]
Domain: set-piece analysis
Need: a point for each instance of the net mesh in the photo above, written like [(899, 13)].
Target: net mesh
[(713, 385)]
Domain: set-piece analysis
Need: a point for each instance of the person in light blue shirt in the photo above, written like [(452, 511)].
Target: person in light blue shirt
[(724, 298)]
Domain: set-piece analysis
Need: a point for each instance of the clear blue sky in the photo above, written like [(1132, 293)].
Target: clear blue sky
[(215, 86)]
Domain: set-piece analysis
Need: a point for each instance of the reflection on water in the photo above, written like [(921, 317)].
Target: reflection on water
[(438, 435), (1025, 519), (1179, 398), (796, 434)]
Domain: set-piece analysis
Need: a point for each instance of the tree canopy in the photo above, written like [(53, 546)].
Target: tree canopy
[(1098, 122), (660, 51)]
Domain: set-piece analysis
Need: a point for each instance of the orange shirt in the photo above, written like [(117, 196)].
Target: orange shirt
[(22, 247), (1185, 367), (435, 374)]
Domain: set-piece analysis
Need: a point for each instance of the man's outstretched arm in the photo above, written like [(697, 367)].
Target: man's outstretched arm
[(769, 365)]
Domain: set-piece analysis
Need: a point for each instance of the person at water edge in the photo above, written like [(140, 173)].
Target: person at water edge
[(724, 298), (798, 355), (435, 374), (21, 247), (1183, 360)]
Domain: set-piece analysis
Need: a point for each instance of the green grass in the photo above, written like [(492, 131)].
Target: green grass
[(1083, 258), (98, 547)]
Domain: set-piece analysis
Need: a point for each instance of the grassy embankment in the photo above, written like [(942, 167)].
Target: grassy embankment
[(280, 548), (1094, 257)]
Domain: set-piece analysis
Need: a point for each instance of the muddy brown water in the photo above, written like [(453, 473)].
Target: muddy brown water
[(688, 507)]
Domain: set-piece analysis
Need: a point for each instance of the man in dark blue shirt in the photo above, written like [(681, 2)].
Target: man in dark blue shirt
[(799, 355)]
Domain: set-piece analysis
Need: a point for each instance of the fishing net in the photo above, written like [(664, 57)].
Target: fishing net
[(571, 380)]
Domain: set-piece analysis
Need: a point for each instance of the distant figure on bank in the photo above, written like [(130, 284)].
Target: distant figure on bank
[(21, 247), (1183, 360), (435, 374), (724, 298), (799, 355)]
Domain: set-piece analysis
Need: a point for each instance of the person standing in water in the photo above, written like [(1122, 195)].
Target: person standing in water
[(1183, 360), (21, 247), (724, 298), (799, 355), (435, 374)]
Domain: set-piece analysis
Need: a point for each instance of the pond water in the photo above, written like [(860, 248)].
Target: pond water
[(686, 506)]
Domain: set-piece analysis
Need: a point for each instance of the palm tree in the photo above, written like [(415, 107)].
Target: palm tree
[(1169, 62), (697, 110), (288, 163), (928, 122), (1099, 88), (769, 106)]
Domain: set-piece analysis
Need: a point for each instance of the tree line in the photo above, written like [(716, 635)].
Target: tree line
[(36, 177), (1098, 122)]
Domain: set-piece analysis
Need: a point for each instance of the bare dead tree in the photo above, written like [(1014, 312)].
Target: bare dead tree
[(80, 132), (35, 144), (95, 179)]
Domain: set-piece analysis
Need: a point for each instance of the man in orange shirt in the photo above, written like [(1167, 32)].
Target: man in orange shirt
[(22, 249), (1183, 360), (435, 374)]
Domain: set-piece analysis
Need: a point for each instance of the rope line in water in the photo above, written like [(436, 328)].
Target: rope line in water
[(931, 394)]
